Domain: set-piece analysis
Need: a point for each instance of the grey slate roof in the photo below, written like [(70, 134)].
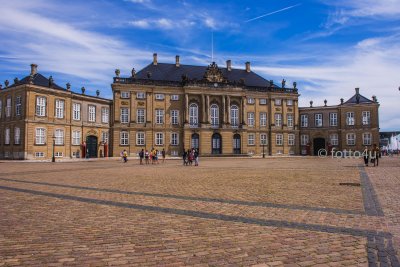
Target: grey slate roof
[(38, 79), (170, 72), (361, 100)]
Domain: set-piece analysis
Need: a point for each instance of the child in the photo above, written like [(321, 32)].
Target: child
[(125, 156)]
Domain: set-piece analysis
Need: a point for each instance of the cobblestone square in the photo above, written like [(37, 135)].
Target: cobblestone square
[(296, 211)]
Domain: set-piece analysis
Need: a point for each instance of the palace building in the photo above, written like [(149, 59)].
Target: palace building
[(218, 110)]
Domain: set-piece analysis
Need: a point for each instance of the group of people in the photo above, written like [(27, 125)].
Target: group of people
[(190, 156), (146, 156), (372, 155)]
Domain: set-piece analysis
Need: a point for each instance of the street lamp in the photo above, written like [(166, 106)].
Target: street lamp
[(263, 144), (53, 158)]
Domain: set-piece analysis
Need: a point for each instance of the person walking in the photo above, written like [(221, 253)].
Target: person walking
[(196, 157), (376, 153), (163, 155), (146, 157), (184, 157), (125, 156), (141, 156), (365, 153)]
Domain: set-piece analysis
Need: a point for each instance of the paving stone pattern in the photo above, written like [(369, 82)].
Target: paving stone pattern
[(226, 212)]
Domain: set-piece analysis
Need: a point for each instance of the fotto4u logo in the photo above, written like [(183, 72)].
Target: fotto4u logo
[(350, 154)]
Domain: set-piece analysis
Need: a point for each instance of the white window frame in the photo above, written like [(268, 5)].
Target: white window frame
[(279, 139), (159, 116), (251, 139), (174, 139), (8, 106), (104, 137), (234, 110), (91, 113), (140, 115), (263, 119), (304, 139), (124, 115), (76, 114), (251, 100), (17, 135), (159, 139), (263, 139), (39, 154), (40, 136), (366, 118), (41, 102), (263, 101), (76, 138), (59, 109), (125, 94), (174, 97), (58, 154), (351, 141), (140, 138), (59, 137), (289, 120), (214, 115), (318, 119), (350, 118), (278, 102), (334, 139), (105, 115), (291, 138), (18, 106), (124, 138), (367, 139), (278, 119), (333, 119), (140, 95), (250, 119), (160, 96), (175, 116), (193, 115), (7, 137), (289, 102), (304, 120)]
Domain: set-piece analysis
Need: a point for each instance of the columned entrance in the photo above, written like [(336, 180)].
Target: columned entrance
[(319, 143), (91, 146), (216, 144), (236, 144), (195, 141)]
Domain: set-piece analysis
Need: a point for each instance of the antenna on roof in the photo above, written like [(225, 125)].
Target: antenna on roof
[(212, 46)]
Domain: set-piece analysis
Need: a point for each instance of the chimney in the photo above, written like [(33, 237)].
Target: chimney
[(177, 61), (311, 102), (247, 66), (155, 59), (229, 65), (33, 69), (341, 101), (357, 91)]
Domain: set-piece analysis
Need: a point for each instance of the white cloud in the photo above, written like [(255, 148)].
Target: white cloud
[(141, 23), (162, 23)]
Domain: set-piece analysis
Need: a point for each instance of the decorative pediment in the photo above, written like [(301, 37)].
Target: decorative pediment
[(214, 74)]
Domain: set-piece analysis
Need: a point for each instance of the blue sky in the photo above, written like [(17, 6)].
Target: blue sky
[(327, 47)]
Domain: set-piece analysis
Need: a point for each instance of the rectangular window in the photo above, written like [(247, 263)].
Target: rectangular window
[(124, 138), (263, 139), (159, 116), (350, 118), (278, 102), (58, 154), (304, 139), (105, 115), (159, 139), (40, 138), (174, 97), (175, 116), (104, 137), (124, 115), (40, 106), (8, 107), (289, 102), (76, 138), (125, 94), (76, 114), (92, 113), (290, 120), (140, 95), (59, 112), (7, 136), (18, 106), (251, 139), (291, 139), (279, 139), (304, 120), (366, 117), (250, 100), (278, 119), (318, 120), (159, 96), (250, 119), (17, 135), (140, 138), (39, 154), (263, 101), (334, 139), (333, 119), (263, 119), (59, 137), (174, 139), (140, 116), (351, 139), (367, 139)]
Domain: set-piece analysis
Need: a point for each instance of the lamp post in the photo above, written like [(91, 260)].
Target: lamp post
[(263, 144), (53, 158)]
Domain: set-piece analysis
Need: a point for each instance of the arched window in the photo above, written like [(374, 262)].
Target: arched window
[(193, 115), (214, 115), (234, 116)]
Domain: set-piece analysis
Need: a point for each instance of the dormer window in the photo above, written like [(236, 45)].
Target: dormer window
[(159, 96)]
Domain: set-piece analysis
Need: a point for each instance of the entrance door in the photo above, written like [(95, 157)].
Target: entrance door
[(236, 144), (319, 143), (216, 144), (195, 141), (91, 146)]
